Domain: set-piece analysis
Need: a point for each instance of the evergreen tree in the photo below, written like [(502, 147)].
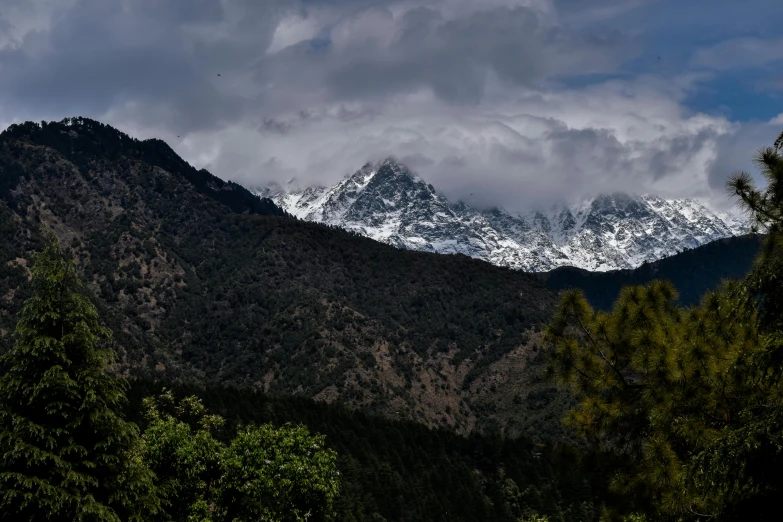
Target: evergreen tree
[(765, 208), (745, 467), (66, 453), (690, 401)]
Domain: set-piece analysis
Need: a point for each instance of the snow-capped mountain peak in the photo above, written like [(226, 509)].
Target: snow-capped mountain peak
[(389, 203)]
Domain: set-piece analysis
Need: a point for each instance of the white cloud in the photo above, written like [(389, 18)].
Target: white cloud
[(538, 146), (739, 53), (294, 29)]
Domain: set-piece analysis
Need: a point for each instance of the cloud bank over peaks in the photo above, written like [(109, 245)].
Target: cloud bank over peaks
[(539, 146), (511, 101)]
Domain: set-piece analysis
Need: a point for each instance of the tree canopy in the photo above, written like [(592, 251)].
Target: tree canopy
[(264, 473), (690, 400)]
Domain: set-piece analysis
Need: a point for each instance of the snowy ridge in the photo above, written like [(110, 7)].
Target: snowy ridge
[(388, 203)]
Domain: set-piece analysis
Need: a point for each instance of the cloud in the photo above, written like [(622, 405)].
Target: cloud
[(294, 29), (515, 101), (598, 10), (97, 55), (455, 57), (102, 54), (538, 147), (740, 53), (737, 148)]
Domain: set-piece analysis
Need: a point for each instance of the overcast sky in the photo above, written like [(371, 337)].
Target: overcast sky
[(514, 101)]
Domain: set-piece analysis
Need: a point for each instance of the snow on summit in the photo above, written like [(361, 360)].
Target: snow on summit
[(387, 202)]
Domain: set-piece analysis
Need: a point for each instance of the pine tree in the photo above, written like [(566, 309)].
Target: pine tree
[(66, 453), (765, 208), (744, 468), (689, 400)]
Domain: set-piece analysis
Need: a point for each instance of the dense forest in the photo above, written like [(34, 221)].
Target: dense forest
[(402, 470)]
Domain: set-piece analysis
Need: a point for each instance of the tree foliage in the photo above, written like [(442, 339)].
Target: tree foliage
[(66, 452), (690, 399), (765, 208), (401, 470), (264, 473)]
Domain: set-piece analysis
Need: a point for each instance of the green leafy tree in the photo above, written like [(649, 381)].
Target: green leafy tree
[(279, 474), (184, 456), (66, 453), (264, 474), (689, 400)]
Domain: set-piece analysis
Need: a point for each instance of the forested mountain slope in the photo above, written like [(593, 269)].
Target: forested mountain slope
[(693, 272), (199, 279)]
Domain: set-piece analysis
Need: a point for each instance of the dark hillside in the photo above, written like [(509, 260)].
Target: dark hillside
[(96, 140), (693, 272), (201, 280)]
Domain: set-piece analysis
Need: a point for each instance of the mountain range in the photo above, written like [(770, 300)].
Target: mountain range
[(387, 202), (202, 281), (212, 290)]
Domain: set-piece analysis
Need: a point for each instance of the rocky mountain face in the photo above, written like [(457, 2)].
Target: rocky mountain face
[(389, 203)]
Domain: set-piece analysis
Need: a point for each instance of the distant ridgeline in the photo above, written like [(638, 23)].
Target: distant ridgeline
[(96, 139), (693, 272)]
